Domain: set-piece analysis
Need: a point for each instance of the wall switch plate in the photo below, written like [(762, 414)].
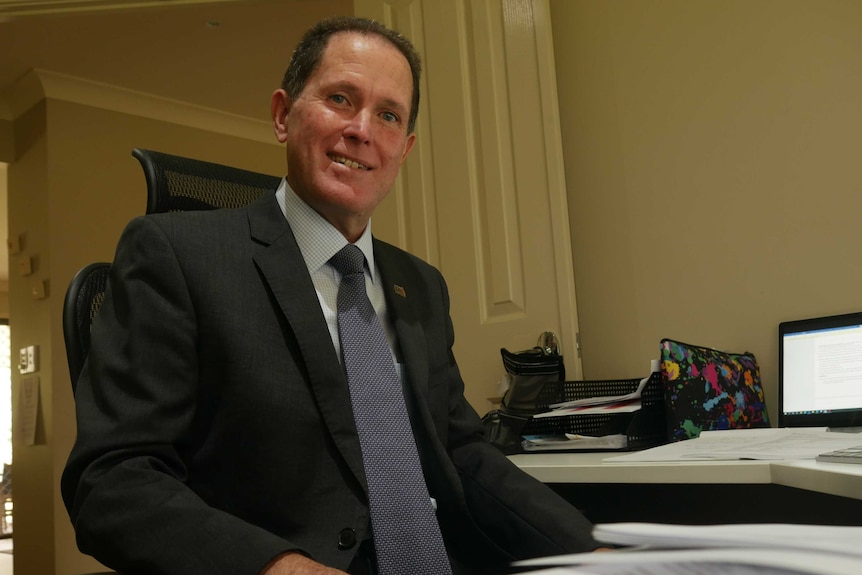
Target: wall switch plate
[(14, 244), (28, 359), (25, 266), (38, 289)]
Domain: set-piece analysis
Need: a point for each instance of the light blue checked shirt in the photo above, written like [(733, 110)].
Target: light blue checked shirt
[(318, 241)]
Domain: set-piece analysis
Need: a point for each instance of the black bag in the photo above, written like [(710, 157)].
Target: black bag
[(530, 372)]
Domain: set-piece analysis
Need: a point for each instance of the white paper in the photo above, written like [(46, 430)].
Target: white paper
[(28, 409), (573, 442), (784, 536), (734, 444), (636, 394), (745, 549), (727, 561), (627, 406)]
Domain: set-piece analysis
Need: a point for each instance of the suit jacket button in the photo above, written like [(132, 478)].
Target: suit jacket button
[(346, 538)]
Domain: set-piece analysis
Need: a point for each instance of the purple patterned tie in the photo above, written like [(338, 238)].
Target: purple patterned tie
[(405, 529)]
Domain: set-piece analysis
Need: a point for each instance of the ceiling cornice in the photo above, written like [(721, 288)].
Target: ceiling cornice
[(37, 85), (19, 8)]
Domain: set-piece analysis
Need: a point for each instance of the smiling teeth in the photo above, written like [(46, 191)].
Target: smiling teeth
[(349, 163)]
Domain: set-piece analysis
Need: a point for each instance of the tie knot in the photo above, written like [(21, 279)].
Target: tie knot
[(349, 260)]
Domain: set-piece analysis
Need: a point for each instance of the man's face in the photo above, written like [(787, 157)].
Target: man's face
[(346, 133)]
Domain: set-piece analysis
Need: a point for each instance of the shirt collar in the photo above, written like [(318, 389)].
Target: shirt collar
[(318, 240)]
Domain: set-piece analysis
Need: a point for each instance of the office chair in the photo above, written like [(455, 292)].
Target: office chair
[(175, 183), (84, 297)]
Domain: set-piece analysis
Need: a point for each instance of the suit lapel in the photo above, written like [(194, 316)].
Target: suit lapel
[(405, 293), (284, 270), (401, 288)]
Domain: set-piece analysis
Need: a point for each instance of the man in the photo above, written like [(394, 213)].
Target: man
[(216, 429)]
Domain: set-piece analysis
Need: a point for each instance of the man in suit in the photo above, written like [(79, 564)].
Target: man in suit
[(215, 427)]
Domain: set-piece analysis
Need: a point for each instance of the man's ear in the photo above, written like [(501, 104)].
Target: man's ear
[(408, 145), (280, 106)]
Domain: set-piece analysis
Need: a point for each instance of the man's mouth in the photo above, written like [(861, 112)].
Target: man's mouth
[(347, 162)]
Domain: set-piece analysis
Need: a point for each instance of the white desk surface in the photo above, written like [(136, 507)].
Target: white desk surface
[(840, 479)]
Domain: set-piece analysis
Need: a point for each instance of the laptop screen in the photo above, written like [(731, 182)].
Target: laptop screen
[(820, 372)]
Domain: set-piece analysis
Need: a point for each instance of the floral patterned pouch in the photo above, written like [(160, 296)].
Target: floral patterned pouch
[(707, 389)]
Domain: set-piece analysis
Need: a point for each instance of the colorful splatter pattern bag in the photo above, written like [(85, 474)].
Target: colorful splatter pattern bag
[(707, 389)]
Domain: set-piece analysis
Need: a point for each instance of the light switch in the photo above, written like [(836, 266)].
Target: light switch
[(28, 359), (14, 244), (25, 266), (22, 360), (37, 289)]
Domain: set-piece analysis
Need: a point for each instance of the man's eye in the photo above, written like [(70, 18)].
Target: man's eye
[(389, 117), (338, 98)]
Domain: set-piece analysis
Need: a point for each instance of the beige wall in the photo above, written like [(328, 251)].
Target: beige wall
[(31, 324), (72, 188), (713, 188), (712, 162)]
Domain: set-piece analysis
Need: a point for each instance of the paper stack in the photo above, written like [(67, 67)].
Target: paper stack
[(596, 405), (774, 549), (573, 441), (766, 443)]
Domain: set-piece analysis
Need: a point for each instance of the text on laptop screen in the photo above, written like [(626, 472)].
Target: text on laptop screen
[(820, 372)]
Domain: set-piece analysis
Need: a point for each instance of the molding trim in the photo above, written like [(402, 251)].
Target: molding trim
[(38, 84), (399, 4), (499, 243), (557, 189), (17, 8), (414, 190)]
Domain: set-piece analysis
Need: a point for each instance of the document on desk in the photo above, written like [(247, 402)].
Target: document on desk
[(573, 442), (603, 399), (626, 406), (736, 444), (822, 538), (706, 549), (751, 561)]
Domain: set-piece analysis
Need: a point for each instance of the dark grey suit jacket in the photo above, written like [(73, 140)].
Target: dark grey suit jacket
[(214, 422)]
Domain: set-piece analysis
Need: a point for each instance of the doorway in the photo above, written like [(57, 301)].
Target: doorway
[(5, 430), (5, 392)]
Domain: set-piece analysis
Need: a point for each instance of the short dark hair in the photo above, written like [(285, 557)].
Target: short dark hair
[(308, 53)]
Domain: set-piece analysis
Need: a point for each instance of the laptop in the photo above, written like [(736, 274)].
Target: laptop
[(820, 376)]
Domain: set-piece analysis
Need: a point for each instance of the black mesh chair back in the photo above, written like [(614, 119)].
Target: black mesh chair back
[(84, 297), (175, 183)]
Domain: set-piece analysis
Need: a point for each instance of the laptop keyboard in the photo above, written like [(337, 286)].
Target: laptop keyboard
[(846, 455)]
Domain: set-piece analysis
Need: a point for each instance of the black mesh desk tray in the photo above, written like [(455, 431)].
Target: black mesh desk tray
[(644, 428)]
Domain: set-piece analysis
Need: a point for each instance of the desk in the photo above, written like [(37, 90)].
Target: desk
[(702, 491)]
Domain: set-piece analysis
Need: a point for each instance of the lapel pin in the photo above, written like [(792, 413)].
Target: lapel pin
[(399, 290)]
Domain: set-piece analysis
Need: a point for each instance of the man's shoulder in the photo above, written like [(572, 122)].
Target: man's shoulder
[(386, 252), (202, 221), (189, 224)]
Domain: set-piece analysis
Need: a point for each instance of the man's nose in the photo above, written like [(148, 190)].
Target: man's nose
[(359, 126)]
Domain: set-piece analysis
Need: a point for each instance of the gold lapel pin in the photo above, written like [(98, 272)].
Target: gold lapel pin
[(399, 290)]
